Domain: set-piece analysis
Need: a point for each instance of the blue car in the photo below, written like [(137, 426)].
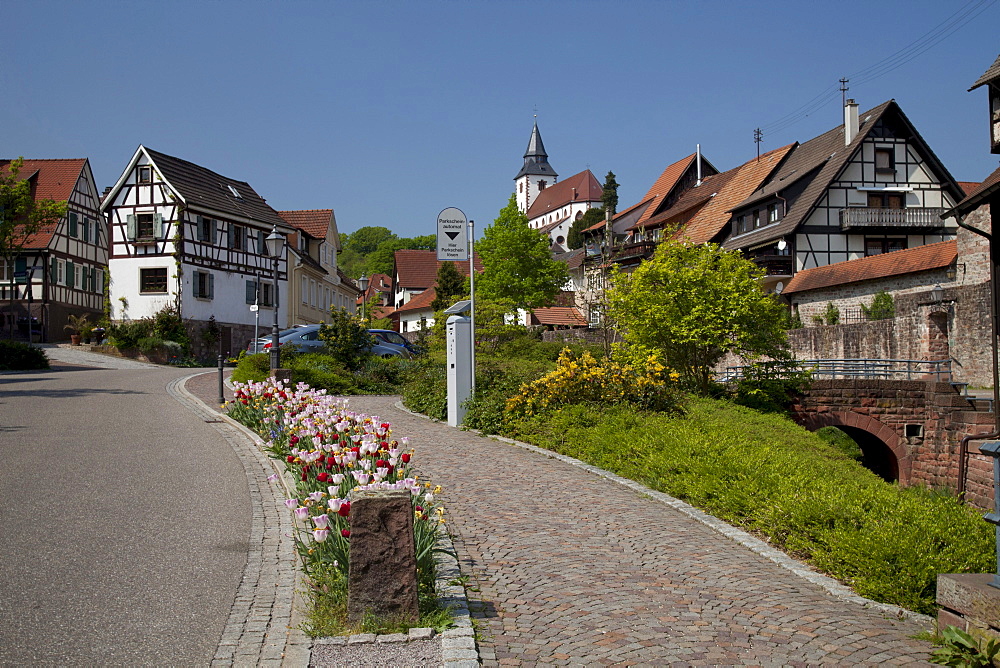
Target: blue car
[(391, 338), (306, 339)]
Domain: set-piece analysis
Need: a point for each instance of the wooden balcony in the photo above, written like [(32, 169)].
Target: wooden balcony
[(864, 217), (641, 250), (776, 265)]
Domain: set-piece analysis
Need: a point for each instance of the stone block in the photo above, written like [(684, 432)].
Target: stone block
[(970, 596), (382, 575)]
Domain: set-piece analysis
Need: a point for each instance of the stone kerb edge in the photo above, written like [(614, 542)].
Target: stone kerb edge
[(458, 644), (832, 586)]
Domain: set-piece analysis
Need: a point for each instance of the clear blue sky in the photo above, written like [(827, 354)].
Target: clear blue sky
[(389, 112)]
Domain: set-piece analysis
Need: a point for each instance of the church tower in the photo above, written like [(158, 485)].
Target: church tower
[(536, 174)]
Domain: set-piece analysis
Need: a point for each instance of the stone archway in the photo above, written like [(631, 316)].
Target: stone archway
[(884, 452)]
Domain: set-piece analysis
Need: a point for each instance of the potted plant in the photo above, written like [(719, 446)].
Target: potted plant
[(76, 325)]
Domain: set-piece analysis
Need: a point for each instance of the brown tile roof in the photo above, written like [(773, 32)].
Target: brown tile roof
[(712, 220), (992, 73), (378, 284), (983, 192), (618, 214), (573, 258), (821, 160), (558, 315), (314, 222), (347, 280), (52, 179), (665, 184), (585, 184), (897, 263), (417, 269)]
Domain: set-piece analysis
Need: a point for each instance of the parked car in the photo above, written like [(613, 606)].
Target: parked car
[(306, 339), (257, 345), (389, 337)]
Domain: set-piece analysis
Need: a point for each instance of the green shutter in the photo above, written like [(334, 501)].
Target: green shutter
[(72, 223), (251, 292), (21, 266), (215, 232), (70, 274), (86, 229), (211, 286), (157, 225), (199, 221), (131, 231), (53, 270)]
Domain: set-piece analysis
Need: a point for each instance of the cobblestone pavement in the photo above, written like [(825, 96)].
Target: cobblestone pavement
[(575, 569)]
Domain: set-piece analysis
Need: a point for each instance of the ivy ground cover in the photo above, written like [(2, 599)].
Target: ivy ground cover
[(775, 479)]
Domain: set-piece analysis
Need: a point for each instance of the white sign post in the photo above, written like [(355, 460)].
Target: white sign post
[(452, 235)]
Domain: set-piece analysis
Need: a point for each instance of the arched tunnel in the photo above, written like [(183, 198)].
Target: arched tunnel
[(876, 456)]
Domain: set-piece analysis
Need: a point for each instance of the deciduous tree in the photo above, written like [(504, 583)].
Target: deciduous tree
[(693, 303), (517, 264)]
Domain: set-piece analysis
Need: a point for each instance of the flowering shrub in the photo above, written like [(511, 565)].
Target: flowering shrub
[(332, 453), (582, 379)]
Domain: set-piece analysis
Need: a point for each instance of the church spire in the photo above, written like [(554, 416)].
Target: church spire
[(536, 161)]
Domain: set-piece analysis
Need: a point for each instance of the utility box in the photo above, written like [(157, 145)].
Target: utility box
[(459, 345)]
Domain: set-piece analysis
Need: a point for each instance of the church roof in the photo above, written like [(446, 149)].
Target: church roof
[(582, 187), (536, 160)]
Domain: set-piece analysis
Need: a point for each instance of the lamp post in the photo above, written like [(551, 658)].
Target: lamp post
[(363, 284), (275, 243)]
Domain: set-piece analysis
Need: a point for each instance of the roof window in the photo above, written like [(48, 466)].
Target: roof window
[(235, 192)]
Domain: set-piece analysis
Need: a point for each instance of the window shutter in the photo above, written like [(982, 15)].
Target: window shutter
[(157, 225), (86, 229), (251, 291), (70, 274), (261, 246), (199, 222), (131, 231), (72, 223), (215, 232), (53, 270), (211, 286)]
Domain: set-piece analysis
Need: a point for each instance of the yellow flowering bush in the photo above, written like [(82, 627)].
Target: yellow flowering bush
[(582, 379)]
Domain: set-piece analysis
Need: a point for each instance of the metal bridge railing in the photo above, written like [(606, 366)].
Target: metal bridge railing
[(875, 369)]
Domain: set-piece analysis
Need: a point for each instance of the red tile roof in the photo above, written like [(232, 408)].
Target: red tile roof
[(559, 315), (979, 195), (421, 302), (619, 214), (969, 187), (897, 263), (52, 179), (314, 222), (417, 269), (668, 179), (584, 185), (714, 217)]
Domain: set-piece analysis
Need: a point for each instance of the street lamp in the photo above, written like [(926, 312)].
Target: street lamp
[(275, 243), (363, 284)]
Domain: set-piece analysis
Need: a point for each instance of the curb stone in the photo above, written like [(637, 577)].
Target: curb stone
[(831, 585)]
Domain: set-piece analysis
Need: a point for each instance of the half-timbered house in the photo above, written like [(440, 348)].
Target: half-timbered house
[(61, 271), (869, 186), (317, 286), (185, 237)]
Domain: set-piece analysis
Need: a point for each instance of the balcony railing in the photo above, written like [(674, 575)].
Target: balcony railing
[(641, 249), (776, 265), (854, 217)]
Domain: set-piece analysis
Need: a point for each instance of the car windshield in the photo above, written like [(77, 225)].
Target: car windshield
[(393, 337)]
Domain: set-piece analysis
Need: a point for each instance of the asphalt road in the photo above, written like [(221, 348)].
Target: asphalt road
[(124, 521)]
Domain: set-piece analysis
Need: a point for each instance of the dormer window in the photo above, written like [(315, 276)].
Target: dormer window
[(145, 174)]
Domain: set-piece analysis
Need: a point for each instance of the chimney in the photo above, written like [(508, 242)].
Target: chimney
[(850, 121)]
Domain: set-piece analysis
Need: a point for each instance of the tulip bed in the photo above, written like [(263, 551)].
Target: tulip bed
[(332, 452)]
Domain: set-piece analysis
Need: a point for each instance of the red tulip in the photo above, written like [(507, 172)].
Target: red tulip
[(346, 533), (323, 477), (406, 457), (345, 509)]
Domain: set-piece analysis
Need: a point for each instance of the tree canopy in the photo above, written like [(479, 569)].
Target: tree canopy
[(517, 264), (590, 217), (450, 286), (609, 195), (693, 303), (21, 215)]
